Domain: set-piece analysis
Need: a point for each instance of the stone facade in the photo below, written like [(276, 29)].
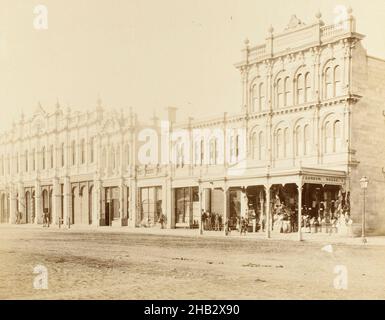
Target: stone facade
[(309, 128)]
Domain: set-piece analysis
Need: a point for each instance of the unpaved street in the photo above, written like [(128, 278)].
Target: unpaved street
[(122, 265)]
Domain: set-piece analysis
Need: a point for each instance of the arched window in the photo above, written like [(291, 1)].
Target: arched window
[(73, 152), (262, 99), (17, 162), (92, 150), (328, 83), (328, 137), (82, 151), (213, 151), (280, 143), (255, 97), (337, 136), (51, 157), (26, 160), (306, 140), (62, 154), (104, 158), (202, 151), (117, 157), (43, 158), (286, 142), (307, 87), (279, 93), (288, 99), (196, 153), (112, 158), (254, 146), (261, 141), (127, 152), (337, 81), (237, 142), (297, 140), (33, 159), (300, 89)]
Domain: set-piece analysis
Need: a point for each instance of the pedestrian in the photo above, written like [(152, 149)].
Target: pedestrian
[(161, 221), (216, 219)]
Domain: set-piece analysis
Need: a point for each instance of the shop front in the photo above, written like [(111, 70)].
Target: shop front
[(151, 206), (187, 213)]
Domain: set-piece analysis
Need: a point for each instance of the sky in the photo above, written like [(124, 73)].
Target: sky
[(146, 54)]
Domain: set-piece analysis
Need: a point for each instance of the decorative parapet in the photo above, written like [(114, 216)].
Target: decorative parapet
[(299, 36)]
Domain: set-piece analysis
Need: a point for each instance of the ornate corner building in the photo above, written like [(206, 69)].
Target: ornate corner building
[(310, 126)]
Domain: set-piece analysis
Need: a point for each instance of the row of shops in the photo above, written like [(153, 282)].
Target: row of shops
[(313, 201)]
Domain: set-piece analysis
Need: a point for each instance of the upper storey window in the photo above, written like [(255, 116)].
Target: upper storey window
[(303, 88), (288, 99), (258, 97), (337, 81), (280, 99), (51, 154), (43, 158), (300, 89), (82, 151), (328, 83), (73, 152), (307, 87), (332, 82), (62, 154)]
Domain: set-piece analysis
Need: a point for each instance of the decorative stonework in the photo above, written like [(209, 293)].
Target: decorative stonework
[(294, 23)]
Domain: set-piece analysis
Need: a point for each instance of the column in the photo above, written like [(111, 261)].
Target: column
[(170, 205), (201, 194), (268, 212), (21, 200), (244, 204), (134, 203), (56, 201), (96, 205), (225, 207), (38, 207), (67, 202), (123, 218), (299, 186), (262, 214), (12, 206)]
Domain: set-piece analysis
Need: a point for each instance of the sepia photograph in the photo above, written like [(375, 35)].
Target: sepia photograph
[(215, 151)]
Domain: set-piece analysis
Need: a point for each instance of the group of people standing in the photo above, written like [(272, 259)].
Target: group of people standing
[(212, 221)]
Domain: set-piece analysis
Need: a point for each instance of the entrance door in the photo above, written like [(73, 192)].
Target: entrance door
[(107, 215)]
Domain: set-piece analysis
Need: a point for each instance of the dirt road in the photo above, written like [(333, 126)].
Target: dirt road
[(123, 265)]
